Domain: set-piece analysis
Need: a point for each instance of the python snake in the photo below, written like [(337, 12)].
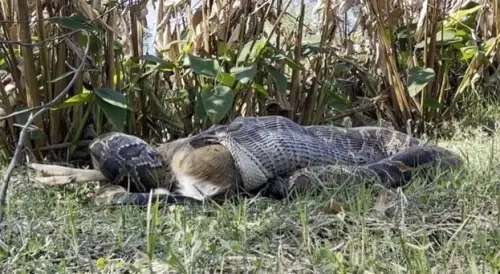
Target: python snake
[(272, 153)]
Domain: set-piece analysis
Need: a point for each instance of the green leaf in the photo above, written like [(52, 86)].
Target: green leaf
[(342, 66), (279, 78), (443, 38), (310, 50), (293, 65), (225, 79), (256, 50), (112, 97), (337, 101), (406, 31), (153, 59), (432, 103), (403, 57), (204, 67), (116, 115), (259, 88), (64, 75), (222, 49), (217, 102), (244, 74), (461, 15), (418, 78), (75, 100), (488, 43), (199, 109), (447, 36), (463, 33), (76, 22), (468, 52), (289, 61), (163, 64)]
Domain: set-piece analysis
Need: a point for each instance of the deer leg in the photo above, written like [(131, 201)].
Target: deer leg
[(54, 175)]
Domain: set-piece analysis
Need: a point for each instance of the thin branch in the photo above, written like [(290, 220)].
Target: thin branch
[(14, 161), (39, 43), (65, 145), (36, 108)]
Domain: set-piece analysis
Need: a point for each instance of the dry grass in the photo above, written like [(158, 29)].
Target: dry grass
[(59, 230)]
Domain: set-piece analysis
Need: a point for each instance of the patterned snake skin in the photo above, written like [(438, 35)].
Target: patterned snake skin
[(274, 150), (276, 153), (128, 161)]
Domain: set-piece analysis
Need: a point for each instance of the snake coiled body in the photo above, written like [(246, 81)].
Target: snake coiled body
[(274, 149), (277, 153)]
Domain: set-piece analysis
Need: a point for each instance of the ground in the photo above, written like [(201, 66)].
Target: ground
[(457, 229)]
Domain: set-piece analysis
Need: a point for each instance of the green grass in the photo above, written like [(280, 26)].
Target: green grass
[(60, 230)]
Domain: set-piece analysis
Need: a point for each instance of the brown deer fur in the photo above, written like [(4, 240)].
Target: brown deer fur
[(209, 170)]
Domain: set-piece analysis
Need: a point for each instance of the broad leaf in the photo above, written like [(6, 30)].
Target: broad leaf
[(199, 109), (153, 59), (259, 88), (443, 38), (279, 78), (76, 22), (222, 49), (164, 64), (244, 74), (253, 49), (116, 115), (468, 52), (489, 43), (204, 67), (418, 78), (112, 97), (289, 61), (75, 100), (310, 50), (447, 36), (463, 33), (225, 79), (460, 16), (217, 102), (404, 32)]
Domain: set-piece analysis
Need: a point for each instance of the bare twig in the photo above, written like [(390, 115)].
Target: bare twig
[(24, 131), (65, 145), (40, 43)]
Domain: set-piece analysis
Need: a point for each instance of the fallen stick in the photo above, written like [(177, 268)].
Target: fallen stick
[(63, 180), (56, 170), (54, 175)]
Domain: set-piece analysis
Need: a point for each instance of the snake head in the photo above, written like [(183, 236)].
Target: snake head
[(213, 135)]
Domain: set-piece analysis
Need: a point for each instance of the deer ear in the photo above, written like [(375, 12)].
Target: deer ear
[(207, 137), (203, 140)]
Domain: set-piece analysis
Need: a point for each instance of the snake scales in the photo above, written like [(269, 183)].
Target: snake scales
[(275, 153)]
